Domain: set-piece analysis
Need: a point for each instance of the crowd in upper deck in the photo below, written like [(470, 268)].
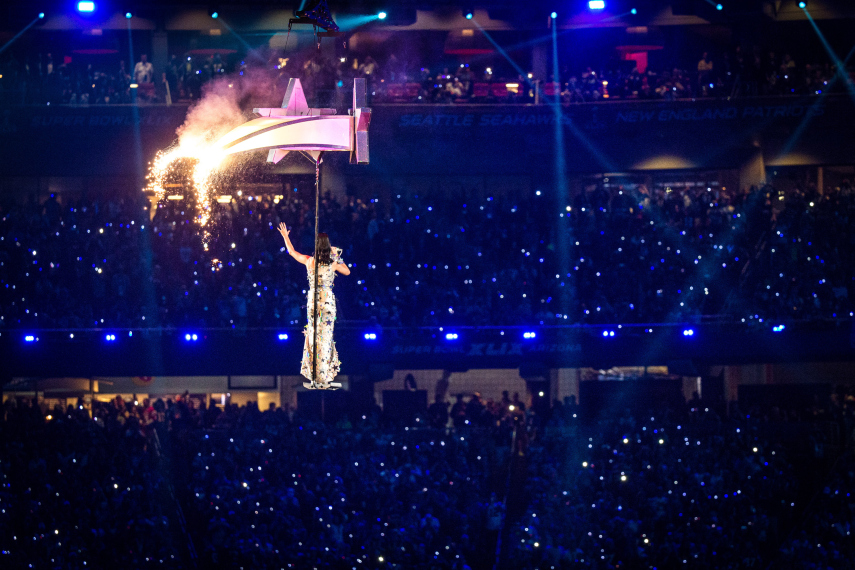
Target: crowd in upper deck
[(55, 78)]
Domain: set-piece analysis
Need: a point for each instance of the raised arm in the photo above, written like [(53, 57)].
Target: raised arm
[(294, 253), (338, 265), (342, 268)]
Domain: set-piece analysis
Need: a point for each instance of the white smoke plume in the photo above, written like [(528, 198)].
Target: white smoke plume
[(226, 103)]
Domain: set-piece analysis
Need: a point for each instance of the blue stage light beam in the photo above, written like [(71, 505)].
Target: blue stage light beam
[(561, 121), (135, 111), (561, 184), (22, 32), (499, 49), (153, 350), (841, 67), (803, 124), (632, 12), (604, 161), (349, 22), (249, 49)]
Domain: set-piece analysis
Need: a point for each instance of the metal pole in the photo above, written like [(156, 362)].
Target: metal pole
[(315, 262)]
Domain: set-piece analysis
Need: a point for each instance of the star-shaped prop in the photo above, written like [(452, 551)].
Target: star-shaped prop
[(297, 127)]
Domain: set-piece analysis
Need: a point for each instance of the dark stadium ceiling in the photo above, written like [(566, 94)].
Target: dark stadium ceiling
[(403, 13)]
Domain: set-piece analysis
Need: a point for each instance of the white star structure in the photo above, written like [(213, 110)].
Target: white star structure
[(297, 127)]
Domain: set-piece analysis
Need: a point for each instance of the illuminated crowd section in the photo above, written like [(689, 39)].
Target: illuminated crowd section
[(669, 251), (180, 483), (487, 56), (599, 312)]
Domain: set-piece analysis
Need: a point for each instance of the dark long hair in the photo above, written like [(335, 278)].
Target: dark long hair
[(324, 251)]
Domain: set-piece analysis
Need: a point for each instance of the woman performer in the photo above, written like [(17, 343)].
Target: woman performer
[(328, 260)]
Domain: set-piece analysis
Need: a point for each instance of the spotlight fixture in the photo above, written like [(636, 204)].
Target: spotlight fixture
[(451, 336), (213, 13), (688, 332), (283, 336), (553, 15), (86, 7), (41, 15), (382, 15), (370, 336), (468, 15), (596, 4), (719, 7), (634, 11), (128, 15), (802, 4), (318, 13), (529, 335)]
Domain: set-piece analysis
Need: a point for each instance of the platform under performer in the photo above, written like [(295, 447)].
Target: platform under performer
[(328, 261)]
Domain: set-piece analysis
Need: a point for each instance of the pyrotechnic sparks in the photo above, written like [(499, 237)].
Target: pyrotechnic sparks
[(206, 158), (196, 158)]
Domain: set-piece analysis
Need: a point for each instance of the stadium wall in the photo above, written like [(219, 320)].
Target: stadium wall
[(473, 140)]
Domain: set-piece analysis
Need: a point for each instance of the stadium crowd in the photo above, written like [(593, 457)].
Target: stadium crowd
[(78, 492), (828, 524), (314, 494), (804, 265), (43, 78), (172, 484), (419, 261), (659, 493)]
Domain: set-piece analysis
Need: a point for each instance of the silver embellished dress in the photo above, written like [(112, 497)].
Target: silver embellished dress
[(328, 363)]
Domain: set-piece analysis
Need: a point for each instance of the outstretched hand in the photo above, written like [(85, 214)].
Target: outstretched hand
[(284, 230)]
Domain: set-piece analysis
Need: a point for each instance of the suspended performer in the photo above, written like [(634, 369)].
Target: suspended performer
[(328, 261)]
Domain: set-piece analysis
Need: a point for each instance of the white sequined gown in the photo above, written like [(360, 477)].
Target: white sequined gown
[(328, 363)]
